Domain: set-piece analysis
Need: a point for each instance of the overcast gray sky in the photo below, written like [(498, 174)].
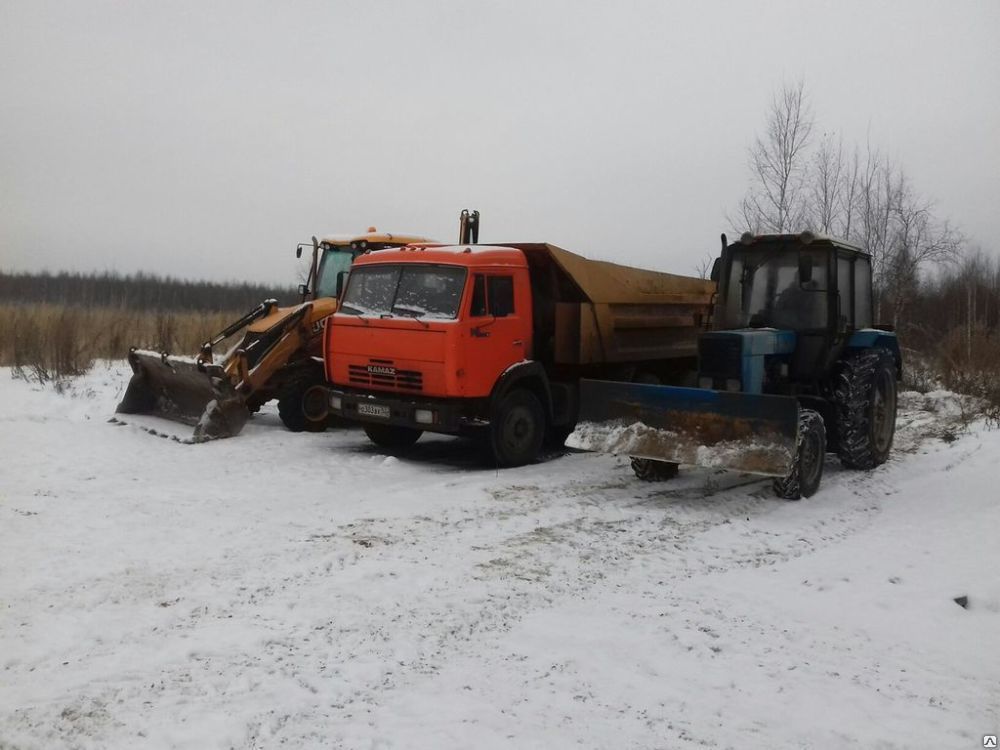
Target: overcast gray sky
[(204, 139)]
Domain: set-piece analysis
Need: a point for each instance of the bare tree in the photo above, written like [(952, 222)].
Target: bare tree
[(776, 201), (704, 266), (826, 201)]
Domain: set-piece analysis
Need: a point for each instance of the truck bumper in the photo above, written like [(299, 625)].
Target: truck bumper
[(452, 417)]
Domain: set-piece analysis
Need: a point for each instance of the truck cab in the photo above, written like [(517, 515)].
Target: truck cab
[(424, 333)]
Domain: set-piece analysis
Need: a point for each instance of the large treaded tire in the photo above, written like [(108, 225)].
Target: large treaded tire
[(517, 428), (865, 403), (810, 452), (392, 437), (292, 405), (650, 470)]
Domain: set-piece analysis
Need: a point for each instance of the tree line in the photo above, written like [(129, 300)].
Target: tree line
[(139, 291)]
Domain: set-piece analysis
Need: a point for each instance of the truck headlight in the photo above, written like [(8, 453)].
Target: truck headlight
[(423, 416), (705, 382), (732, 384), (336, 402)]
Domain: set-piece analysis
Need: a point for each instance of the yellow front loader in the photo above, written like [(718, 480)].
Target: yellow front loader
[(279, 356)]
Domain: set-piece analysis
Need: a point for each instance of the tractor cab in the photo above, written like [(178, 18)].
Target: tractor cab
[(797, 282), (786, 306)]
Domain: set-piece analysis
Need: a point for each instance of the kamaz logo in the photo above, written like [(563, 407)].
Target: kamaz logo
[(381, 370)]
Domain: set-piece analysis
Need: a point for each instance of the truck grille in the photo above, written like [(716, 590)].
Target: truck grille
[(382, 373), (719, 356)]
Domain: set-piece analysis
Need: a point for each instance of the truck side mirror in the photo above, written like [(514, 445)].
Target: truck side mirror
[(805, 268), (716, 270), (303, 290), (298, 251), (341, 278)]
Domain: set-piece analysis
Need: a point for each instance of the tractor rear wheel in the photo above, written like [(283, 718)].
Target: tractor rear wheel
[(392, 437), (807, 470), (865, 396)]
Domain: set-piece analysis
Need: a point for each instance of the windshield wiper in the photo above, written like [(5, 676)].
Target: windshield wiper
[(418, 317), (357, 313)]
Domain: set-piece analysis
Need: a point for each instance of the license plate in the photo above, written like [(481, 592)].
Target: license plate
[(374, 410)]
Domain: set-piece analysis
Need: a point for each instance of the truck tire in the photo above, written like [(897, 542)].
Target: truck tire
[(810, 452), (392, 437), (303, 407), (517, 428), (649, 469), (865, 402)]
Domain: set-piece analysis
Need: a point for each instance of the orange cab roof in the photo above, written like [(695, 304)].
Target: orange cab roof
[(454, 255)]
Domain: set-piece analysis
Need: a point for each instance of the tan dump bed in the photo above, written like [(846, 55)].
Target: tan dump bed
[(606, 312)]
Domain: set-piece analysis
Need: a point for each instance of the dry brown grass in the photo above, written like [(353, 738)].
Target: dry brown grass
[(49, 342)]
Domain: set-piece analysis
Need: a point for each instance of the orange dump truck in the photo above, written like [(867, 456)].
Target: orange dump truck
[(491, 341)]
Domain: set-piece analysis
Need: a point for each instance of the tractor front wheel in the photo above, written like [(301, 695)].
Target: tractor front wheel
[(392, 437), (807, 470), (649, 469)]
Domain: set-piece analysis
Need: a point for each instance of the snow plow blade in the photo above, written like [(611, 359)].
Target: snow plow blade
[(186, 391), (744, 432)]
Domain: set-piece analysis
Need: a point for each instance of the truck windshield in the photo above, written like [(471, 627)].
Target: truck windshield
[(765, 291), (415, 291), (336, 259)]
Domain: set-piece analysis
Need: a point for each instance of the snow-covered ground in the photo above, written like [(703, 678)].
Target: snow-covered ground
[(302, 590)]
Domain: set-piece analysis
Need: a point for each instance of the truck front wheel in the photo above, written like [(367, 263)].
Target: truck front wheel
[(517, 428)]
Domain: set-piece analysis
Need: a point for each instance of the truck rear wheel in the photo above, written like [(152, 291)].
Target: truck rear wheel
[(392, 437), (866, 408), (517, 428)]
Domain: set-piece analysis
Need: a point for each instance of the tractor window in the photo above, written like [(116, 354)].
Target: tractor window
[(336, 258), (862, 293), (765, 290), (845, 279)]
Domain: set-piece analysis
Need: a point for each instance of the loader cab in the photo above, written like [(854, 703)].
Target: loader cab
[(333, 256), (333, 265)]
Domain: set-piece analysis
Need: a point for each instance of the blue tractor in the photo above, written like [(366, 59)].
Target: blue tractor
[(792, 368)]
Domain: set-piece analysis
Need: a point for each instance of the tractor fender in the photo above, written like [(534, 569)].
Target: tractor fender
[(524, 374), (875, 338)]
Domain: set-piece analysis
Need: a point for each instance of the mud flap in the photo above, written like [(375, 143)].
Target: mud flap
[(756, 434), (184, 391)]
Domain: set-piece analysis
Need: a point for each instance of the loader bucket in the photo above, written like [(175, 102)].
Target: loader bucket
[(744, 432), (182, 390)]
